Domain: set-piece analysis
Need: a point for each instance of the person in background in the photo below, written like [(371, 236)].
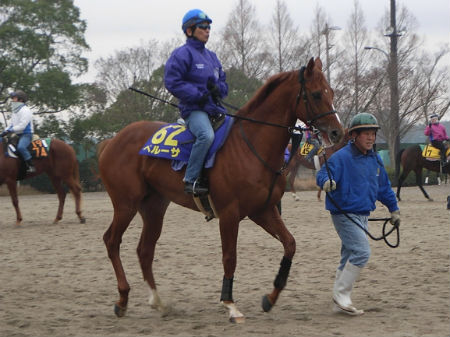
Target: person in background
[(22, 125), (194, 75), (311, 138), (357, 180), (437, 134)]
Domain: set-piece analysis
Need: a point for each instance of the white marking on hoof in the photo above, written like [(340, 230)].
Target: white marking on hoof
[(156, 303), (235, 315)]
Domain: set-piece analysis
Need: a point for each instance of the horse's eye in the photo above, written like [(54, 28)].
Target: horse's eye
[(317, 95)]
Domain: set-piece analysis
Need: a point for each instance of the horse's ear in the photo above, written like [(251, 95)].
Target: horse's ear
[(310, 66), (319, 63)]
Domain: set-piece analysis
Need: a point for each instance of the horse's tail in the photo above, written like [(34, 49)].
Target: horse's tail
[(398, 161)]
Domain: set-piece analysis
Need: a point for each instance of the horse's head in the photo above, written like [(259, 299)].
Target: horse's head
[(315, 102)]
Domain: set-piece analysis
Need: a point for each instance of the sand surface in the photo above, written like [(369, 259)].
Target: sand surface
[(56, 280)]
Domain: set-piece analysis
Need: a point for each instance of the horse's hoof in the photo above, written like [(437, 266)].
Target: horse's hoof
[(120, 312), (430, 199), (83, 220), (266, 305), (237, 319)]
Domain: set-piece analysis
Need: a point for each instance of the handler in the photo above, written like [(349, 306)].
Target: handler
[(358, 179)]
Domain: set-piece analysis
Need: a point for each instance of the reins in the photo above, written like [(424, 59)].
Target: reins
[(384, 234)]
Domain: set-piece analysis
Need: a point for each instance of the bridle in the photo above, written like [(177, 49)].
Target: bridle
[(296, 138)]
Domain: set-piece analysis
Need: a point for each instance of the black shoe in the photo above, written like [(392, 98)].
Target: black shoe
[(30, 166), (195, 188)]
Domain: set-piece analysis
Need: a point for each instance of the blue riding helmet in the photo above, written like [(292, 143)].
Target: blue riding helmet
[(193, 17)]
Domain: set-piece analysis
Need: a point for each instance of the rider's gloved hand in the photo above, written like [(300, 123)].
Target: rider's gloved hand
[(4, 133), (329, 185), (395, 218), (202, 101), (215, 92)]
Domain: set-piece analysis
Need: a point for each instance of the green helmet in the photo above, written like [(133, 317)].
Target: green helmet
[(363, 120)]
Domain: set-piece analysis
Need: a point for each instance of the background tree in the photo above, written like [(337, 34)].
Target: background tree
[(289, 50), (354, 87), (41, 44), (242, 43)]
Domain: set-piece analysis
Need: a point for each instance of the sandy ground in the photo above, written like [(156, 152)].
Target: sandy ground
[(56, 280)]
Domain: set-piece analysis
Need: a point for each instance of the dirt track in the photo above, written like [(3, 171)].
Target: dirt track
[(56, 280)]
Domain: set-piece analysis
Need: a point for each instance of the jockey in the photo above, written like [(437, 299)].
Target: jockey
[(438, 135), (312, 138), (22, 125), (194, 75)]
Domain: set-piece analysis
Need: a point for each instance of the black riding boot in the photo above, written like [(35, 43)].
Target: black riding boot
[(30, 166)]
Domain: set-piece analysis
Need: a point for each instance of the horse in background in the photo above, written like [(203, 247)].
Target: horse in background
[(60, 165), (300, 160), (246, 180), (411, 159)]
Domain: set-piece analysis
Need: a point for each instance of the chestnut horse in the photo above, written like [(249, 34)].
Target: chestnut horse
[(60, 165), (411, 159), (299, 159), (246, 180)]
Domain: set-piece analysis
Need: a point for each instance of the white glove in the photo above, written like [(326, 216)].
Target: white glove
[(329, 185), (395, 218)]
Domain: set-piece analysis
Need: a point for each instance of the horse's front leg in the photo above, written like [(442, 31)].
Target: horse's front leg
[(271, 221), (228, 234), (12, 188)]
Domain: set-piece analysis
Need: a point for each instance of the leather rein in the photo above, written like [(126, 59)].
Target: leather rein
[(295, 138)]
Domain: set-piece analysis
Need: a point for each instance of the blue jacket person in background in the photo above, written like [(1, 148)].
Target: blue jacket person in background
[(194, 75), (358, 179), (22, 125)]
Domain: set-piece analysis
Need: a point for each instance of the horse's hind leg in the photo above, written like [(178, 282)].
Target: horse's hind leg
[(419, 183), (12, 188), (401, 179), (75, 188), (152, 210), (59, 189), (112, 238), (273, 224)]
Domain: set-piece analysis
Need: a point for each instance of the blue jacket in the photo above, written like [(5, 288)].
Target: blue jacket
[(360, 179), (187, 73)]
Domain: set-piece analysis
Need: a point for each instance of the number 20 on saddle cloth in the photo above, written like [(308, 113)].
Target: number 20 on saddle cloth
[(174, 141), (432, 153)]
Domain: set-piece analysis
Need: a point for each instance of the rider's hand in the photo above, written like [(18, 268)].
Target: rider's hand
[(202, 101), (329, 185), (395, 218), (4, 133), (215, 92)]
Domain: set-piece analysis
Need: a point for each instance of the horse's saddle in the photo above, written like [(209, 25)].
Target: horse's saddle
[(174, 141), (432, 153), (38, 147)]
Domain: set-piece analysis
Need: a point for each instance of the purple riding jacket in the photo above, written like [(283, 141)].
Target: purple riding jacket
[(187, 73)]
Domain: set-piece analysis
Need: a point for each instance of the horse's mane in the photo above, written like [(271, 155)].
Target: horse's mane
[(269, 86)]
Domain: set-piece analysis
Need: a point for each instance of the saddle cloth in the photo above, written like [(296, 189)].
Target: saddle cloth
[(38, 148), (432, 153), (174, 141)]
